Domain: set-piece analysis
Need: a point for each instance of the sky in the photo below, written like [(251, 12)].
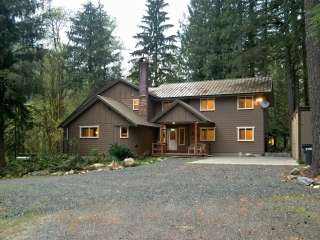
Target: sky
[(127, 15)]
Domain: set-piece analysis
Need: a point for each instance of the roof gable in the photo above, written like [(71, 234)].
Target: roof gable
[(180, 111)]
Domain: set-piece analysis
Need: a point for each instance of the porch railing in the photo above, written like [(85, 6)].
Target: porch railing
[(159, 148)]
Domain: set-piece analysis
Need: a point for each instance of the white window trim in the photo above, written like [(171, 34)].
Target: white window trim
[(133, 108), (214, 128), (208, 110), (93, 126), (238, 134), (184, 141), (238, 103), (127, 133)]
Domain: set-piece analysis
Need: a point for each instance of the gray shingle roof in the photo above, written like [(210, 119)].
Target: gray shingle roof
[(213, 88), (125, 112)]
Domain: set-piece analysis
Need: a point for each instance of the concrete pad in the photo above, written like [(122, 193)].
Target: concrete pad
[(272, 161)]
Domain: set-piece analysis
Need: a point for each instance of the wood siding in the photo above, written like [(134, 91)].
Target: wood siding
[(227, 118), (122, 93), (109, 122), (179, 115)]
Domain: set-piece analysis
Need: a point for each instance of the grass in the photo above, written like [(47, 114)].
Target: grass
[(13, 227)]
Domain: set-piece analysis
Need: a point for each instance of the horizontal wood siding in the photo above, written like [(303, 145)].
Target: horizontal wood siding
[(227, 118)]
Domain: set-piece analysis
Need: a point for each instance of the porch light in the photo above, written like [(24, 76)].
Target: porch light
[(259, 100)]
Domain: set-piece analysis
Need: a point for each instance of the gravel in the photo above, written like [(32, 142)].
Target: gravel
[(166, 200)]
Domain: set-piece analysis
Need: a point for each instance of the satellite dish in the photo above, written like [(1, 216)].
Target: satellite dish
[(265, 104)]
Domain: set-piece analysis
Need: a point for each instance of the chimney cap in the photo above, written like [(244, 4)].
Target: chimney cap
[(143, 59)]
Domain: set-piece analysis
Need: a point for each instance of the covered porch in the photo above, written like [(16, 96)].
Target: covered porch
[(184, 131), (184, 139)]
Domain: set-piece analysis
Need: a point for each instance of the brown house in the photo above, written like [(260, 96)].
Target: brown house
[(207, 117)]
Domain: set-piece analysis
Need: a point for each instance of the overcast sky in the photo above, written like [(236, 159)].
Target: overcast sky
[(127, 14)]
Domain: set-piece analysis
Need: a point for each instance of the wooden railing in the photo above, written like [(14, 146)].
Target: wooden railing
[(159, 148)]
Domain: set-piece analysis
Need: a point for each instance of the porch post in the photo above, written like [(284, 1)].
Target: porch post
[(195, 133)]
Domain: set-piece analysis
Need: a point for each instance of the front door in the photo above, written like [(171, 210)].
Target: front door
[(172, 139)]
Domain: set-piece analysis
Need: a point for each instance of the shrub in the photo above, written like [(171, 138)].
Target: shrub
[(120, 152)]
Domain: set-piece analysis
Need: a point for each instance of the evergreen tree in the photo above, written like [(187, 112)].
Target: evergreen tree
[(155, 44), (94, 51), (313, 66), (20, 29)]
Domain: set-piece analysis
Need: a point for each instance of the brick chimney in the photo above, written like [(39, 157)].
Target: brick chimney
[(143, 88)]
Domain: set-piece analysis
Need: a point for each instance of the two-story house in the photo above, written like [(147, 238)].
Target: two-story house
[(207, 117)]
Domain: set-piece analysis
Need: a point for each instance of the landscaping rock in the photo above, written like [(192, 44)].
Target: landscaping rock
[(39, 173), (305, 180), (71, 172), (115, 166), (291, 177), (59, 173), (95, 166), (295, 171), (129, 162)]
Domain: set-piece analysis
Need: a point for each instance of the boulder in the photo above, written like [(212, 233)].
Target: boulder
[(129, 162), (295, 171), (115, 166)]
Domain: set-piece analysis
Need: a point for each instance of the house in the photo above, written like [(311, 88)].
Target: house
[(207, 117)]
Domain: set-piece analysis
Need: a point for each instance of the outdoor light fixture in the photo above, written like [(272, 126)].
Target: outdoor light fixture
[(259, 99)]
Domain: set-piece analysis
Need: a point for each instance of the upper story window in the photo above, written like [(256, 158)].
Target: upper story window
[(124, 132), (89, 131), (245, 134), (245, 102), (135, 104), (207, 105), (207, 134), (165, 105)]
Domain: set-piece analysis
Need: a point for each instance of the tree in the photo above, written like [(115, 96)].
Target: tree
[(94, 53), (155, 44), (20, 30), (48, 104), (313, 66)]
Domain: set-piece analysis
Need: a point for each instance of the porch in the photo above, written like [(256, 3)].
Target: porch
[(184, 139)]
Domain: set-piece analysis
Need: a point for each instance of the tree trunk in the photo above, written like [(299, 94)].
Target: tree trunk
[(2, 147), (313, 66)]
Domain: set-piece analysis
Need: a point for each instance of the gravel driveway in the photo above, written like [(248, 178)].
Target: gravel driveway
[(167, 200)]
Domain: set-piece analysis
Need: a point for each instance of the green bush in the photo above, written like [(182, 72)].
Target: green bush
[(120, 152)]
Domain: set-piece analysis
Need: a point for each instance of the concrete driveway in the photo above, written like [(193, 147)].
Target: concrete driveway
[(266, 161)]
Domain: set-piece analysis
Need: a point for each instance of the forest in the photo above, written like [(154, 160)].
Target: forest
[(51, 60)]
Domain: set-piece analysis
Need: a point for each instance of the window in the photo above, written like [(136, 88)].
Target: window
[(166, 105), (89, 131), (207, 134), (124, 132), (135, 104), (182, 136), (245, 134), (245, 103), (207, 105)]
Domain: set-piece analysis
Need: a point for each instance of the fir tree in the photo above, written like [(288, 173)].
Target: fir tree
[(154, 43), (94, 51)]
